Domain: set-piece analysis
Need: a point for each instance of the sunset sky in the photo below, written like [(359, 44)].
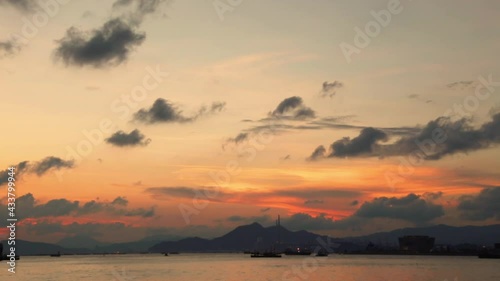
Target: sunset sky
[(183, 118)]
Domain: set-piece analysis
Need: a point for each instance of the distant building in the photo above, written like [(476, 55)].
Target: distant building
[(416, 244)]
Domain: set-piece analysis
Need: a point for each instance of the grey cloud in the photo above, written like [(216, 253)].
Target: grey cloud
[(358, 146), (241, 137), (439, 138), (216, 194), (30, 208), (163, 111), (330, 89), (318, 153), (301, 221), (313, 202), (122, 139), (21, 5), (50, 162), (189, 192), (412, 208), (460, 85), (294, 108), (122, 201), (141, 8), (485, 205), (9, 48), (110, 45), (265, 219), (39, 168)]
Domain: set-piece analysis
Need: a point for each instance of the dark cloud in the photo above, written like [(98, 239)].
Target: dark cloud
[(358, 146), (313, 202), (205, 193), (439, 138), (39, 168), (21, 5), (412, 208), (20, 169), (109, 45), (122, 139), (485, 205), (163, 111), (122, 201), (293, 108), (318, 153), (9, 48), (30, 208), (460, 85), (301, 221), (215, 194), (241, 137), (265, 219), (330, 89), (50, 162)]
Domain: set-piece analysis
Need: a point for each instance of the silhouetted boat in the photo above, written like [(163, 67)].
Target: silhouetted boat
[(272, 253), (297, 252), (56, 255), (166, 254), (265, 255)]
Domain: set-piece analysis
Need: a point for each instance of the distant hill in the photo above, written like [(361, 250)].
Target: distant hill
[(247, 237), (80, 241), (256, 237), (27, 248), (444, 234)]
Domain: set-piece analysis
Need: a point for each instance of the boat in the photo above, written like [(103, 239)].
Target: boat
[(166, 254), (272, 253), (490, 253), (266, 255), (298, 252), (322, 253), (56, 255)]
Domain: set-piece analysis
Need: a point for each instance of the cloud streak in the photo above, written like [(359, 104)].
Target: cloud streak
[(439, 138), (163, 111), (39, 168), (9, 48)]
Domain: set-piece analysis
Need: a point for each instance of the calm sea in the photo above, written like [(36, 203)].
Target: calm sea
[(207, 267)]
